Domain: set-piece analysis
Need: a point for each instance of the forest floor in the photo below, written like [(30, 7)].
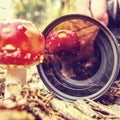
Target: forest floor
[(35, 102)]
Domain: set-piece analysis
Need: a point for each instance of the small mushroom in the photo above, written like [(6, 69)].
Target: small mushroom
[(21, 46)]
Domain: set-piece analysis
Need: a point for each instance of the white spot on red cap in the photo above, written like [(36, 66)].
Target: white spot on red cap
[(6, 30), (8, 47)]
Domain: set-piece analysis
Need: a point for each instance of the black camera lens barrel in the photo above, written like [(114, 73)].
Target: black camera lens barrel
[(105, 75)]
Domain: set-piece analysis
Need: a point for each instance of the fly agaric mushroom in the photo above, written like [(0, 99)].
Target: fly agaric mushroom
[(21, 45), (63, 42)]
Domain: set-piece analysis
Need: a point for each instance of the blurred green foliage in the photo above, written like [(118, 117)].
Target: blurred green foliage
[(42, 12)]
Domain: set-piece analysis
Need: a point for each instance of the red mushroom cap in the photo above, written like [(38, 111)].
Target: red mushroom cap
[(21, 43), (63, 42)]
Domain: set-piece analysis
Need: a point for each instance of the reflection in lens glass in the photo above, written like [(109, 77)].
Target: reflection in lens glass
[(79, 58), (71, 47)]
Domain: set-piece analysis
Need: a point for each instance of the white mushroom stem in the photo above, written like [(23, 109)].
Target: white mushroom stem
[(15, 76)]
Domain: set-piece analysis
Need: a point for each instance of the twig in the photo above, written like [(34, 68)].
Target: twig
[(102, 108)]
